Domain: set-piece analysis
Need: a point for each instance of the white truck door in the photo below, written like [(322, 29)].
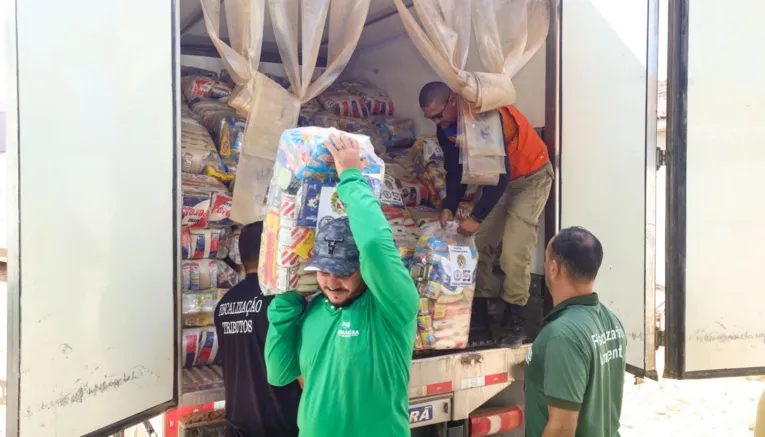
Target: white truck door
[(93, 215), (716, 225), (607, 156)]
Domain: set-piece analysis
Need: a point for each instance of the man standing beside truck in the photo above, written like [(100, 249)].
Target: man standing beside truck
[(575, 369), (253, 408), (506, 213), (353, 344)]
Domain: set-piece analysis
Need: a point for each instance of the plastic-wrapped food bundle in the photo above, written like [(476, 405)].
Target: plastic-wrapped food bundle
[(198, 154), (227, 129), (434, 179), (204, 243), (225, 76), (232, 246), (204, 87), (198, 307), (206, 202), (463, 211), (376, 100), (201, 274), (395, 131), (443, 269), (200, 347), (195, 71), (343, 103), (302, 193)]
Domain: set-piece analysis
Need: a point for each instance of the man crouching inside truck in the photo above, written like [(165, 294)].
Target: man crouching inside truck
[(353, 345)]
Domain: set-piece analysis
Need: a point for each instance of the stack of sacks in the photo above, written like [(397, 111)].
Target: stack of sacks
[(444, 271), (301, 196), (198, 153), (197, 87), (226, 128), (338, 101), (206, 223), (377, 101)]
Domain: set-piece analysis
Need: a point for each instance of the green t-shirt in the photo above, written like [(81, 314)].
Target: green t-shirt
[(355, 360), (577, 363)]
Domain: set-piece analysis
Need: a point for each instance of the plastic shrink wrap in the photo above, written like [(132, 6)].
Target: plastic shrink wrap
[(443, 270), (204, 243), (302, 194), (206, 202), (198, 307), (226, 127), (201, 274), (200, 347)]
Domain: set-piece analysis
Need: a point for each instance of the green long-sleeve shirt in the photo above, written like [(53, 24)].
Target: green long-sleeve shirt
[(355, 360)]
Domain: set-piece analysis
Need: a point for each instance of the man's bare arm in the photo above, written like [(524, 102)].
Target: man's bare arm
[(561, 423)]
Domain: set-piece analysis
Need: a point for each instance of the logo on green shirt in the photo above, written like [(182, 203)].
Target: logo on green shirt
[(346, 332)]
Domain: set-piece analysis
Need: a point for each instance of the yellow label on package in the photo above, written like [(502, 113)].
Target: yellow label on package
[(303, 249)]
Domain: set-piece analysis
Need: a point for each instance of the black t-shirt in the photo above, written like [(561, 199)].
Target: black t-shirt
[(254, 408)]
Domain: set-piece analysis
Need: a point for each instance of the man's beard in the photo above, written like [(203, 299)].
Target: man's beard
[(352, 296)]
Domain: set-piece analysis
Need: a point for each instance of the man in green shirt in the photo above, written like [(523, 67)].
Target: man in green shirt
[(575, 368), (353, 345)]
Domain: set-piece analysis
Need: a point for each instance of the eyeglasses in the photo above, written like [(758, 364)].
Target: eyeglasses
[(436, 118)]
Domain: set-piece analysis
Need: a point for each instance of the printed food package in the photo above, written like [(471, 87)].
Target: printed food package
[(204, 243), (413, 191), (394, 131), (301, 196), (201, 274), (434, 179), (343, 103), (376, 100), (198, 307), (199, 86), (200, 347), (443, 269), (206, 202), (226, 127), (198, 154)]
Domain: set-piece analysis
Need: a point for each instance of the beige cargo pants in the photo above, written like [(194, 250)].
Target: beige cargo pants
[(515, 222)]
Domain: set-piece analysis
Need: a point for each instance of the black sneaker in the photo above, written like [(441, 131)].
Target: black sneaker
[(480, 332), (513, 333)]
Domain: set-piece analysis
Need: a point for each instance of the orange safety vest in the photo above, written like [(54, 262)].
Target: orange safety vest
[(526, 151)]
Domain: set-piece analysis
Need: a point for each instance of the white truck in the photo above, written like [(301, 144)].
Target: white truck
[(93, 200)]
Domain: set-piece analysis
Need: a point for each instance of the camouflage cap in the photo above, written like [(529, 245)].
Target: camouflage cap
[(334, 250)]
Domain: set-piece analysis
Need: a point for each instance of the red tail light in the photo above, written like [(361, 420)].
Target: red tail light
[(495, 421)]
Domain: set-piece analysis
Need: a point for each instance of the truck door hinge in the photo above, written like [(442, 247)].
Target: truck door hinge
[(661, 158)]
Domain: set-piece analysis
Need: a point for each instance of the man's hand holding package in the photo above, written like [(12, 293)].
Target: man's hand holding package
[(445, 217), (345, 151), (468, 226)]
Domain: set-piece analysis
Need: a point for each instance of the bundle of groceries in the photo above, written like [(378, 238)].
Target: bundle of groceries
[(443, 270), (301, 196)]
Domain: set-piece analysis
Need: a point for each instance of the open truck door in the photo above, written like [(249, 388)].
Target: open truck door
[(93, 220), (606, 153), (716, 130)]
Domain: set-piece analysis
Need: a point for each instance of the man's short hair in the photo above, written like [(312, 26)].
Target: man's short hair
[(249, 244), (579, 251), (433, 92)]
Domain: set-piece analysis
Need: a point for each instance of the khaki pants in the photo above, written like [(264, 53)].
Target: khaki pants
[(515, 222)]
